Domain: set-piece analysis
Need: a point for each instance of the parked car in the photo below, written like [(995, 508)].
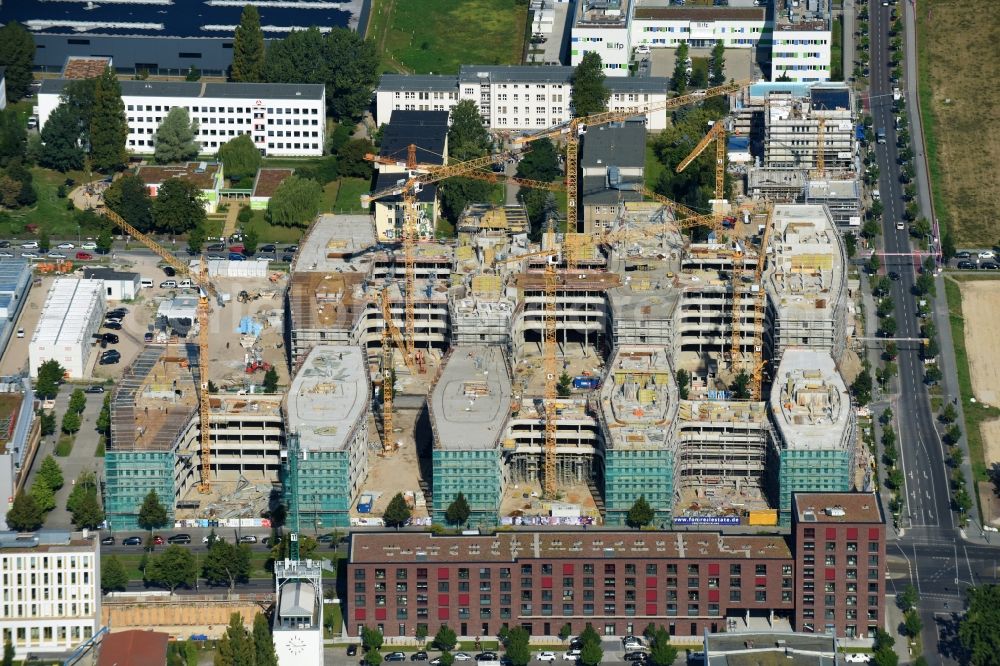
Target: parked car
[(29, 255), (287, 258), (147, 337), (292, 248), (157, 540), (463, 656), (352, 649), (7, 255), (4, 244), (113, 325), (248, 538), (238, 249), (84, 256), (216, 247), (990, 266), (108, 541), (180, 539), (635, 656), (642, 49), (571, 655), (111, 357), (964, 254), (94, 388), (395, 656), (486, 656), (965, 265), (132, 541), (117, 313), (204, 539), (419, 655), (30, 245), (20, 332), (168, 284), (56, 255), (985, 254), (66, 246), (215, 257), (266, 248), (110, 338), (324, 538), (546, 656), (89, 245), (236, 256)]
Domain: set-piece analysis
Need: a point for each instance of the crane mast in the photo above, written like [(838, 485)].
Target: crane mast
[(551, 369)]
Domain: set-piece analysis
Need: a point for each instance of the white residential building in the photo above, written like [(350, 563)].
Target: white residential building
[(283, 119), (512, 97), (51, 591), (71, 315)]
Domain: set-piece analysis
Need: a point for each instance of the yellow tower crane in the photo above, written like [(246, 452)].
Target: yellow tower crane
[(390, 334), (684, 217), (757, 368), (573, 129), (821, 147), (205, 289)]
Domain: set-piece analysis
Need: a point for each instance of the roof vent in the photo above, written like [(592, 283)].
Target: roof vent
[(836, 511)]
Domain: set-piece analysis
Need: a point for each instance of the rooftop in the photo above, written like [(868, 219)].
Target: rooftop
[(427, 130), (336, 243), (515, 74), (659, 11), (327, 300), (109, 274), (597, 190), (638, 397), (602, 13), (621, 144), (44, 540), (770, 649), (297, 600), (834, 189), (202, 174), (838, 508), (267, 180), (805, 272), (471, 401), (421, 82), (809, 400), (203, 89), (384, 181), (66, 313), (402, 547), (83, 67), (134, 647), (328, 397)]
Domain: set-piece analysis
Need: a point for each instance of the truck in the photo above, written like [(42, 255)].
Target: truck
[(586, 383), (365, 503)]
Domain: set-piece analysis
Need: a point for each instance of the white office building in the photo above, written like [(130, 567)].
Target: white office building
[(283, 119), (51, 591), (801, 51), (512, 97), (658, 24), (71, 315)]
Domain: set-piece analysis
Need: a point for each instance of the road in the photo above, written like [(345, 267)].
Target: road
[(932, 552)]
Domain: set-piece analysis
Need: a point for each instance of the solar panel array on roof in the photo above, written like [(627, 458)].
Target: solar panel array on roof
[(830, 99), (427, 130)]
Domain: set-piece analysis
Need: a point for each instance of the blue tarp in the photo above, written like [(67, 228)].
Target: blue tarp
[(249, 326)]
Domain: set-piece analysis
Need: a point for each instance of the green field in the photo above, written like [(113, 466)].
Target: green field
[(439, 35), (49, 212), (348, 196), (975, 412)]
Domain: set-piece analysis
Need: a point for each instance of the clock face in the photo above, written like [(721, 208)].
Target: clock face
[(296, 645)]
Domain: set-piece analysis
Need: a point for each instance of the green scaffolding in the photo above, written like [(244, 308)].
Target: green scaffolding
[(631, 473), (129, 476), (477, 475), (814, 471), (319, 492)]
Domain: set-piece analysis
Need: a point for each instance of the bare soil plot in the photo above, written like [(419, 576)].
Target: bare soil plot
[(980, 304)]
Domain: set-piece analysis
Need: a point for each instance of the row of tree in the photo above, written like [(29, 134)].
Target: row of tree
[(89, 123)]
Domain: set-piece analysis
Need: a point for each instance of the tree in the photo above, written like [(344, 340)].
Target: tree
[(78, 401), (679, 79), (458, 511), (271, 381), (887, 327), (861, 388), (24, 515), (295, 202), (641, 514), (467, 136), (196, 239), (307, 546), (518, 650), (589, 93), (591, 654), (50, 473), (108, 126), (457, 193), (178, 206), (226, 564), (908, 599), (541, 162), (87, 512), (662, 653), (61, 140), (949, 413), (397, 513), (741, 386), (47, 421), (248, 49), (718, 64), (50, 376), (351, 160), (104, 240), (445, 638), (850, 245), (371, 639), (240, 157), (237, 646), (953, 434), (172, 568), (565, 385), (44, 498), (70, 423), (979, 628), (175, 137), (589, 635), (250, 241), (8, 654), (912, 625), (13, 136), (152, 514), (565, 631), (683, 379), (17, 54), (355, 69), (114, 578), (374, 658), (193, 74), (263, 642), (932, 375)]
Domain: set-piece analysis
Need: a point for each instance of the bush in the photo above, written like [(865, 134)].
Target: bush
[(64, 447)]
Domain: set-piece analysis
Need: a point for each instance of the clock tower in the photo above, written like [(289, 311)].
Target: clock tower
[(298, 620)]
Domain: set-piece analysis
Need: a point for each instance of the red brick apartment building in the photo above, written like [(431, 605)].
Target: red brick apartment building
[(827, 576)]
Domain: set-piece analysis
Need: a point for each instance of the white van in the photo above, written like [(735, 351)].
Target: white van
[(168, 284), (145, 283), (185, 284)]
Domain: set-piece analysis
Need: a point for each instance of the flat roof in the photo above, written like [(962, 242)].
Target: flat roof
[(845, 507), (620, 144), (515, 73), (700, 14), (109, 274), (297, 599), (335, 242), (806, 261), (83, 67), (849, 188), (638, 398), (67, 312), (267, 180), (594, 190), (12, 274), (635, 84), (201, 174), (328, 397), (202, 89), (809, 400), (471, 401), (386, 548), (427, 130), (45, 540), (425, 82), (135, 647)]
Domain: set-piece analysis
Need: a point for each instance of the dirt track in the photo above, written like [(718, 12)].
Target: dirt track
[(980, 303)]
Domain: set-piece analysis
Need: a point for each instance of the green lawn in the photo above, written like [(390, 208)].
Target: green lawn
[(347, 195), (654, 168), (49, 212), (131, 561), (273, 233), (975, 412), (837, 51), (439, 35)]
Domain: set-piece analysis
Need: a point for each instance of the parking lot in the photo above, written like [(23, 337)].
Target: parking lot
[(739, 62)]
